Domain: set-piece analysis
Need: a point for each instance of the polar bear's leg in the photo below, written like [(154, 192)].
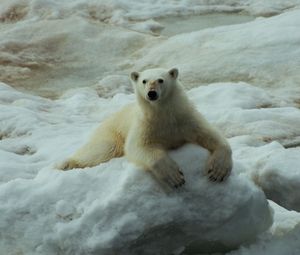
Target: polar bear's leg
[(96, 151), (157, 161), (219, 164)]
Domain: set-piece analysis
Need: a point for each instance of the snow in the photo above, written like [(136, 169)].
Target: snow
[(86, 205), (262, 52), (78, 54), (97, 206), (81, 211), (70, 52), (121, 11), (283, 238)]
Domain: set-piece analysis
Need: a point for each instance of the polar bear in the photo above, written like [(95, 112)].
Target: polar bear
[(162, 118)]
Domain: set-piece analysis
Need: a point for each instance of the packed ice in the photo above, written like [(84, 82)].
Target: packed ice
[(64, 67)]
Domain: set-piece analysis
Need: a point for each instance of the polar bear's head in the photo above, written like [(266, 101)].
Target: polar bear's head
[(154, 85)]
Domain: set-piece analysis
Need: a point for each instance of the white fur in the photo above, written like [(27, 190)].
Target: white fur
[(146, 130)]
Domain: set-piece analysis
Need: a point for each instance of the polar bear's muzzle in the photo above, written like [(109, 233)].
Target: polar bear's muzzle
[(153, 91), (152, 95)]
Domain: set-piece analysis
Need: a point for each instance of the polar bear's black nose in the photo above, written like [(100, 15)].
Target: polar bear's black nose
[(152, 95)]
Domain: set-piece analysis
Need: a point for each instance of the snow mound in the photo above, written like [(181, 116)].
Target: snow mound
[(233, 96), (233, 53), (274, 168), (112, 85), (279, 176), (287, 244), (116, 208), (264, 135)]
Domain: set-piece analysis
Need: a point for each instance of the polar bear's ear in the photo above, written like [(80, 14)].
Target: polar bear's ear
[(173, 73), (134, 76)]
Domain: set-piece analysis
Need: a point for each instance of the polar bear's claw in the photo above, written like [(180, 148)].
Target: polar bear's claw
[(218, 170), (70, 164), (168, 173), (219, 166)]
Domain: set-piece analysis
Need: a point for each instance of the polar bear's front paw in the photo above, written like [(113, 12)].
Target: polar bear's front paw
[(167, 172), (219, 167)]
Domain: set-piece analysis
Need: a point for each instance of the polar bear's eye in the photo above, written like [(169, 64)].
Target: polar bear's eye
[(160, 81), (144, 81)]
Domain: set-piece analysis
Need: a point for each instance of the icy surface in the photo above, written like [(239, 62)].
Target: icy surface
[(111, 207), (114, 204), (260, 52), (51, 48), (116, 208)]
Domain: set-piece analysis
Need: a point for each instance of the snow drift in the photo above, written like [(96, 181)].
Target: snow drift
[(49, 46), (115, 208)]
